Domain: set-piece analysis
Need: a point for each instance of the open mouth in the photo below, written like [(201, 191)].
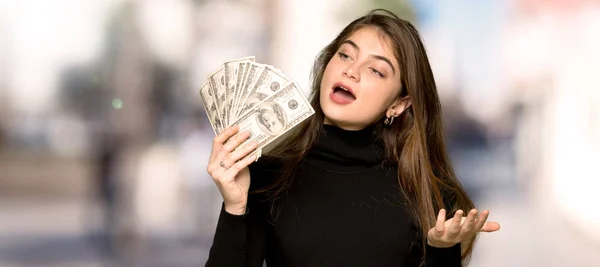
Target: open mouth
[(344, 93)]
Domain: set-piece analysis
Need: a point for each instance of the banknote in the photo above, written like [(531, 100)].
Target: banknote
[(267, 84), (238, 87), (210, 107), (258, 97), (275, 116), (217, 85), (231, 69), (253, 72)]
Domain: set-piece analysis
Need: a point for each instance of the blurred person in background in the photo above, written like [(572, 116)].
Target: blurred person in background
[(365, 181), (106, 191)]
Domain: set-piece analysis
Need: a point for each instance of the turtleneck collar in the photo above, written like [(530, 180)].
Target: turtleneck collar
[(347, 149)]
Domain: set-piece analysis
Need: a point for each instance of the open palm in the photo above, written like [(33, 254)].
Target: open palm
[(459, 228)]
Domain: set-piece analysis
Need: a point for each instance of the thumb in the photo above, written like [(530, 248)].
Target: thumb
[(490, 227)]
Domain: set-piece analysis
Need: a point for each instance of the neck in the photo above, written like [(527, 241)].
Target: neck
[(344, 126), (347, 149)]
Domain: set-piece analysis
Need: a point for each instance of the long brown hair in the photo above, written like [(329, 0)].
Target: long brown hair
[(414, 142)]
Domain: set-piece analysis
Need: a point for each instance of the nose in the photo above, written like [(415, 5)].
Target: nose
[(351, 73)]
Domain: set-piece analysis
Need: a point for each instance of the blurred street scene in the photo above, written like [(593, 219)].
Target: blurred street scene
[(104, 141)]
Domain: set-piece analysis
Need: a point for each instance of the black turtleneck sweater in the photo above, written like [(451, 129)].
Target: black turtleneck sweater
[(344, 208)]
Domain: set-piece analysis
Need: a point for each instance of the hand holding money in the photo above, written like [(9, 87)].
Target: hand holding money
[(256, 97), (249, 105), (229, 171)]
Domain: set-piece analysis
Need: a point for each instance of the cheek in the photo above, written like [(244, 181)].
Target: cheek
[(327, 74), (325, 82), (332, 73), (378, 99)]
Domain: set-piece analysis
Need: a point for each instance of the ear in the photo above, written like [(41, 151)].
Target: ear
[(399, 106)]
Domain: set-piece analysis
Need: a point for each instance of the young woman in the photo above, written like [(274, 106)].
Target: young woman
[(365, 181)]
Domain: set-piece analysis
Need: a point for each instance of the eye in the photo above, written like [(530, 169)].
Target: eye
[(343, 56), (376, 72)]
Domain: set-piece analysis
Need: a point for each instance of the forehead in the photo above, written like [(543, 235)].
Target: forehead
[(371, 40)]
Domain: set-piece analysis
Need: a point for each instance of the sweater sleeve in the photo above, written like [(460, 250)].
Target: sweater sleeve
[(446, 257), (437, 257), (434, 257), (240, 240)]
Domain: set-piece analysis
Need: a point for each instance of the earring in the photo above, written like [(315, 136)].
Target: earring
[(388, 121)]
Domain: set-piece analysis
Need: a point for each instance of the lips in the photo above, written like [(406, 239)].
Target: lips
[(342, 87), (342, 94)]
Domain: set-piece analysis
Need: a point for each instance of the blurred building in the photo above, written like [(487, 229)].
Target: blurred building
[(100, 118), (553, 59)]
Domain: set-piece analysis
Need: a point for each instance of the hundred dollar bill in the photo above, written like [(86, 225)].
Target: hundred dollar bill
[(217, 83), (268, 83), (253, 71), (231, 69), (239, 80), (275, 116), (210, 107)]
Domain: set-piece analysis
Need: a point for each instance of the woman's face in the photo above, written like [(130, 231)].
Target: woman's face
[(361, 81)]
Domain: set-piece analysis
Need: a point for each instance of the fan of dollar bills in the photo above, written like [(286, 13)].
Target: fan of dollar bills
[(257, 97)]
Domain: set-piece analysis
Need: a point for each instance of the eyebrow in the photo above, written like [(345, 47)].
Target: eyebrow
[(353, 44)]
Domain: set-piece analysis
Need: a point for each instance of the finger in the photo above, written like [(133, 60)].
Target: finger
[(241, 164), (454, 228), (231, 144), (439, 224), (236, 155), (221, 150), (221, 138), (214, 167), (490, 227), (236, 140), (227, 173), (216, 171), (227, 133), (481, 220), (468, 224)]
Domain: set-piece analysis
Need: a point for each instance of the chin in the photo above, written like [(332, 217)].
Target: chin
[(333, 112), (337, 117), (335, 120)]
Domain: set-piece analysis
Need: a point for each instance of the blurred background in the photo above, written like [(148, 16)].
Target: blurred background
[(104, 141)]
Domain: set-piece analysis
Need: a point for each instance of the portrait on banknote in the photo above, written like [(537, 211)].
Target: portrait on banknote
[(271, 118)]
